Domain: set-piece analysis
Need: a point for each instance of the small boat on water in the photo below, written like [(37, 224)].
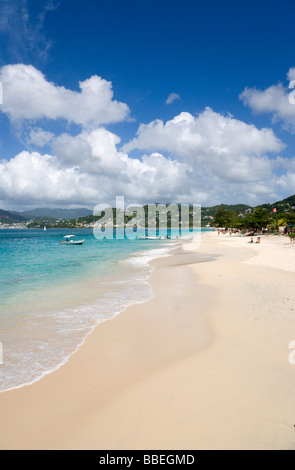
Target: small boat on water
[(70, 240)]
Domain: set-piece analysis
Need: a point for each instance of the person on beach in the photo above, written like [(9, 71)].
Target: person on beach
[(258, 240), (251, 241)]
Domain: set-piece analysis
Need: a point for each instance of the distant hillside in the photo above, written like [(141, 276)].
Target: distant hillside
[(51, 217), (48, 213), (10, 218), (286, 205), (238, 208)]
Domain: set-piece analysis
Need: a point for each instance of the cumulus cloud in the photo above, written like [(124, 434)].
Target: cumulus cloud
[(274, 100), (172, 97), (27, 95), (210, 139), (38, 178), (205, 159), (95, 152), (88, 169), (227, 158), (203, 167)]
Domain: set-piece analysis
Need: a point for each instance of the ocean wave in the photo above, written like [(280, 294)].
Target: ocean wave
[(41, 343)]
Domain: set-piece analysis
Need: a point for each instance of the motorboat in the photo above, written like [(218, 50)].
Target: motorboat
[(71, 240)]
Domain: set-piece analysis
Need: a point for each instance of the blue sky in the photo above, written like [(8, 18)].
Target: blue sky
[(225, 135)]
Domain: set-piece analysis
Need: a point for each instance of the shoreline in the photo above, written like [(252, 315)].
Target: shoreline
[(185, 370), (112, 316), (135, 264)]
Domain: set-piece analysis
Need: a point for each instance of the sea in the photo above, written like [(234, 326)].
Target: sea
[(54, 295)]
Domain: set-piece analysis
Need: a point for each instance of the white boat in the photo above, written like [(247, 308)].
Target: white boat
[(70, 240)]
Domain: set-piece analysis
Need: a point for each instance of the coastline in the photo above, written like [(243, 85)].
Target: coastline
[(44, 331), (202, 365)]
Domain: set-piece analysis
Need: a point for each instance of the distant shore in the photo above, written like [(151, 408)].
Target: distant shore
[(202, 365)]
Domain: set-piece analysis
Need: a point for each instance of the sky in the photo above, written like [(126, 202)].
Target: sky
[(155, 101)]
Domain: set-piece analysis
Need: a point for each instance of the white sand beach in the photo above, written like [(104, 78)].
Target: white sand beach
[(202, 365)]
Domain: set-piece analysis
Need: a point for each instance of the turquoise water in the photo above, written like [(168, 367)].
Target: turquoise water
[(52, 295)]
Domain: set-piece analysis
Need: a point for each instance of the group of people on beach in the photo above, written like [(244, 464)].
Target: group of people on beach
[(230, 232), (252, 241), (226, 231)]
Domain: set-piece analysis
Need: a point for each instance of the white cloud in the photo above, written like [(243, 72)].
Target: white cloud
[(39, 137), (209, 139), (31, 177), (273, 100), (95, 152), (27, 95), (208, 159), (227, 159), (88, 169), (172, 97)]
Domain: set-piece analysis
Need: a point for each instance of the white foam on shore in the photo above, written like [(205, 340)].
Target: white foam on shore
[(145, 257), (45, 342)]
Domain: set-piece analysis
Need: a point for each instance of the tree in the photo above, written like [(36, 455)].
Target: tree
[(225, 218), (290, 218), (256, 221), (261, 218)]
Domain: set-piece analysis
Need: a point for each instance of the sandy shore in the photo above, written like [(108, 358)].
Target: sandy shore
[(203, 365)]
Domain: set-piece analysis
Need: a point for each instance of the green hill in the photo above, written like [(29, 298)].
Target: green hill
[(72, 217), (10, 217), (238, 208), (286, 205), (49, 213)]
